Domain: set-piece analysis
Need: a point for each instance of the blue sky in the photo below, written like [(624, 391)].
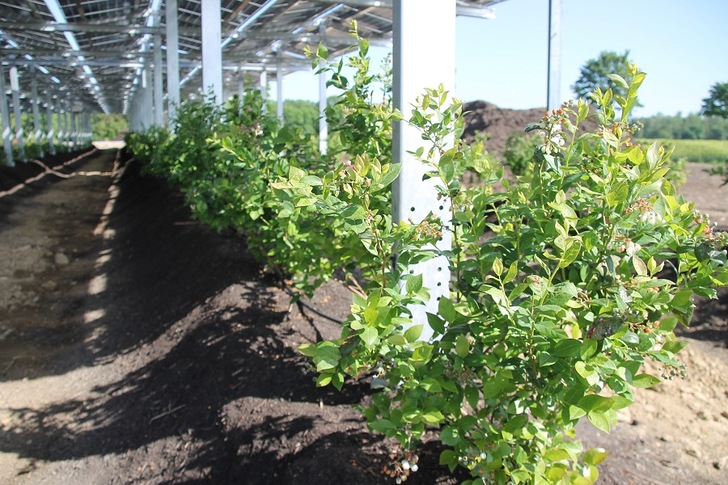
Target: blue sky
[(681, 45)]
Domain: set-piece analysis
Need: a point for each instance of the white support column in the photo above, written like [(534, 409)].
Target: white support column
[(19, 135), (211, 50), (5, 112), (263, 87), (323, 126), (74, 130), (171, 16), (147, 103), (62, 127), (36, 114), (421, 60), (279, 88), (67, 128), (158, 81), (553, 85), (50, 132)]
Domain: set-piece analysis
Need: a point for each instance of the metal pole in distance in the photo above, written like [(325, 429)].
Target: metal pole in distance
[(49, 124), (62, 126), (423, 57), (279, 87), (263, 87), (67, 128), (211, 50), (74, 130), (553, 84), (36, 114), (323, 125), (19, 135), (5, 112), (158, 81), (170, 12)]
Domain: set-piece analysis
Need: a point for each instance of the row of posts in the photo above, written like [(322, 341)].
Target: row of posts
[(59, 129)]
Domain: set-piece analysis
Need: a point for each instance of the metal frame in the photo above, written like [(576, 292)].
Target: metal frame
[(97, 49)]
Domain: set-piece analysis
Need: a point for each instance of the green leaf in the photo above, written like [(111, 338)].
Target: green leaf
[(645, 380), (588, 348), (414, 284), (595, 456), (567, 348), (602, 420), (436, 323), (449, 458), (462, 346), (450, 436), (446, 309), (571, 251), (370, 336), (413, 333), (382, 425), (618, 80)]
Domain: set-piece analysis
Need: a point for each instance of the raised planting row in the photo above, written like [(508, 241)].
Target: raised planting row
[(565, 281)]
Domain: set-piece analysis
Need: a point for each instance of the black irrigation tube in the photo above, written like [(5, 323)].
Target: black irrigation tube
[(48, 170)]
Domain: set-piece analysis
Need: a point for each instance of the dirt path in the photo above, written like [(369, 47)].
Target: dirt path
[(137, 347)]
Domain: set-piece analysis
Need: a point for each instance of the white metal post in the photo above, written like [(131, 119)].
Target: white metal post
[(279, 88), (74, 130), (50, 133), (323, 126), (553, 85), (147, 103), (158, 81), (19, 135), (211, 50), (170, 12), (36, 114), (62, 127), (5, 111), (421, 60), (67, 128)]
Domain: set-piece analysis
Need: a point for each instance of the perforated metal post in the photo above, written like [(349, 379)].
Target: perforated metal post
[(423, 57), (323, 126), (279, 87), (5, 111), (19, 134), (171, 17), (158, 80), (74, 130), (38, 136), (211, 49), (553, 86), (50, 134)]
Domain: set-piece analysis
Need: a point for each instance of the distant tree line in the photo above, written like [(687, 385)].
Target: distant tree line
[(691, 127)]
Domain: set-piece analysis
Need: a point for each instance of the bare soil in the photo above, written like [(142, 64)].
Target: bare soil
[(136, 346)]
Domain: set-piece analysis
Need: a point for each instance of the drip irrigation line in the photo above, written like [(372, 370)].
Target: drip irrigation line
[(46, 171)]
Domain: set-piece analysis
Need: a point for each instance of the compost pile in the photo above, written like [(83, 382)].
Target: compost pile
[(137, 346)]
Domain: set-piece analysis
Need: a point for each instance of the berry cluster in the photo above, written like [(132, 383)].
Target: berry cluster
[(399, 466)]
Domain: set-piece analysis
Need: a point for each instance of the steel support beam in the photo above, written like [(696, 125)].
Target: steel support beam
[(158, 82), (279, 89), (421, 60), (49, 125), (553, 84), (19, 135), (36, 114), (323, 126), (172, 61), (5, 112), (211, 50)]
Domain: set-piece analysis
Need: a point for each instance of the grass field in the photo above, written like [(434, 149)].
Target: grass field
[(708, 151)]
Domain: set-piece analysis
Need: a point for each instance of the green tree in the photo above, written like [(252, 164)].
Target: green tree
[(595, 74), (716, 104)]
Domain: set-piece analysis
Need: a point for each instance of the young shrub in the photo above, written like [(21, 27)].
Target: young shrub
[(559, 298)]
